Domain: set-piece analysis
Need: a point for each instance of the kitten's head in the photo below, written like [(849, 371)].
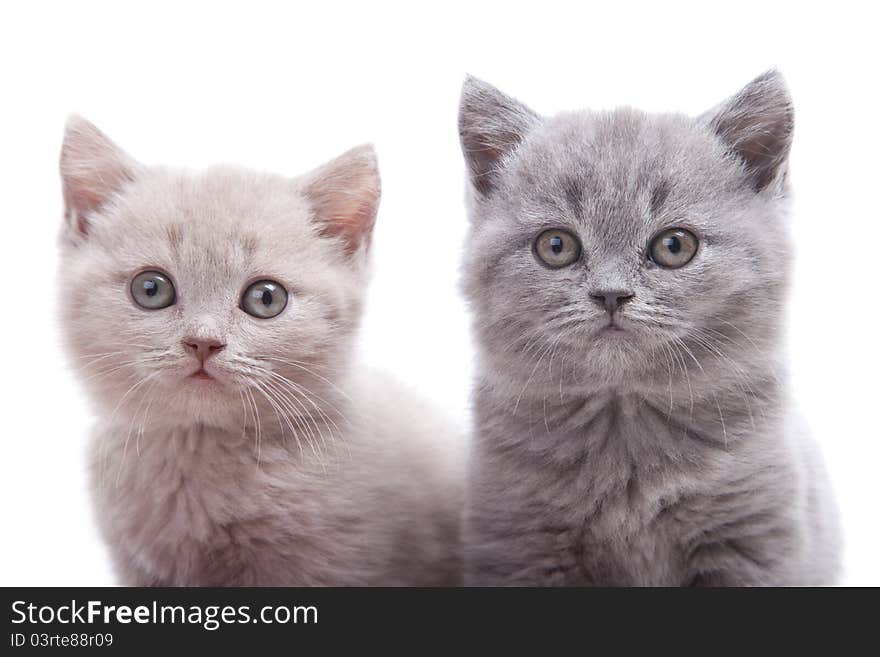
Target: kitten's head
[(610, 239), (193, 293)]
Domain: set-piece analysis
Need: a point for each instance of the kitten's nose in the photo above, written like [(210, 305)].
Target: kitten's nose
[(202, 348), (611, 300)]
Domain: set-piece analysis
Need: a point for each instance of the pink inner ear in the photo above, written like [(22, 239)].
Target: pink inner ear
[(354, 223), (83, 196), (345, 197), (79, 202), (92, 169)]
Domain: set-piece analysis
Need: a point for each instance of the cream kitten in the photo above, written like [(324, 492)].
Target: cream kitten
[(211, 317)]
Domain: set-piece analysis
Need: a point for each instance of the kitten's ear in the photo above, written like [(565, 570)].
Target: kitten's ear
[(344, 194), (93, 168), (757, 124), (490, 125)]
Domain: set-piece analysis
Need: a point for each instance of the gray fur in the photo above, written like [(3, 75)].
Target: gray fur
[(669, 453)]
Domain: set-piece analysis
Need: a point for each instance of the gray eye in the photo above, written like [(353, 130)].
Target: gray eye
[(152, 290), (557, 248), (264, 299), (673, 248)]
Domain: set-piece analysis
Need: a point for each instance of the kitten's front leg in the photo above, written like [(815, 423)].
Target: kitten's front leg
[(520, 546), (130, 574), (511, 563), (759, 559)]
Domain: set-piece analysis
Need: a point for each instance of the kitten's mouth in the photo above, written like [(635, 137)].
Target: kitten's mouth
[(201, 374), (611, 328)]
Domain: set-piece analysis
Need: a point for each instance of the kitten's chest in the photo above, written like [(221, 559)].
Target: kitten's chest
[(177, 483), (626, 496), (204, 508), (629, 544)]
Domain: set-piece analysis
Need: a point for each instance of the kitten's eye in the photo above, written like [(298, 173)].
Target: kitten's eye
[(673, 248), (557, 248), (152, 290), (264, 299)]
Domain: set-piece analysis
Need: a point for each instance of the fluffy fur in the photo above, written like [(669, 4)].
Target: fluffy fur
[(292, 465), (668, 452)]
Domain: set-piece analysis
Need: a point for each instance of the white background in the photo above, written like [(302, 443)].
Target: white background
[(285, 87)]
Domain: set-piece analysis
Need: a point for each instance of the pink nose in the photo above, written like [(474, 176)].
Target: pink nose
[(202, 348)]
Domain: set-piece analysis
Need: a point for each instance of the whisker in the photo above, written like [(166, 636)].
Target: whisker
[(303, 419), (307, 394), (259, 428), (290, 416), (128, 435), (137, 442), (301, 366)]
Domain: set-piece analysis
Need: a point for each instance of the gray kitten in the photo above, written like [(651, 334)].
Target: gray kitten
[(628, 274)]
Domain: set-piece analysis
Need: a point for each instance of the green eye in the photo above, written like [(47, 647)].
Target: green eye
[(557, 248), (673, 248), (264, 299), (153, 290)]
